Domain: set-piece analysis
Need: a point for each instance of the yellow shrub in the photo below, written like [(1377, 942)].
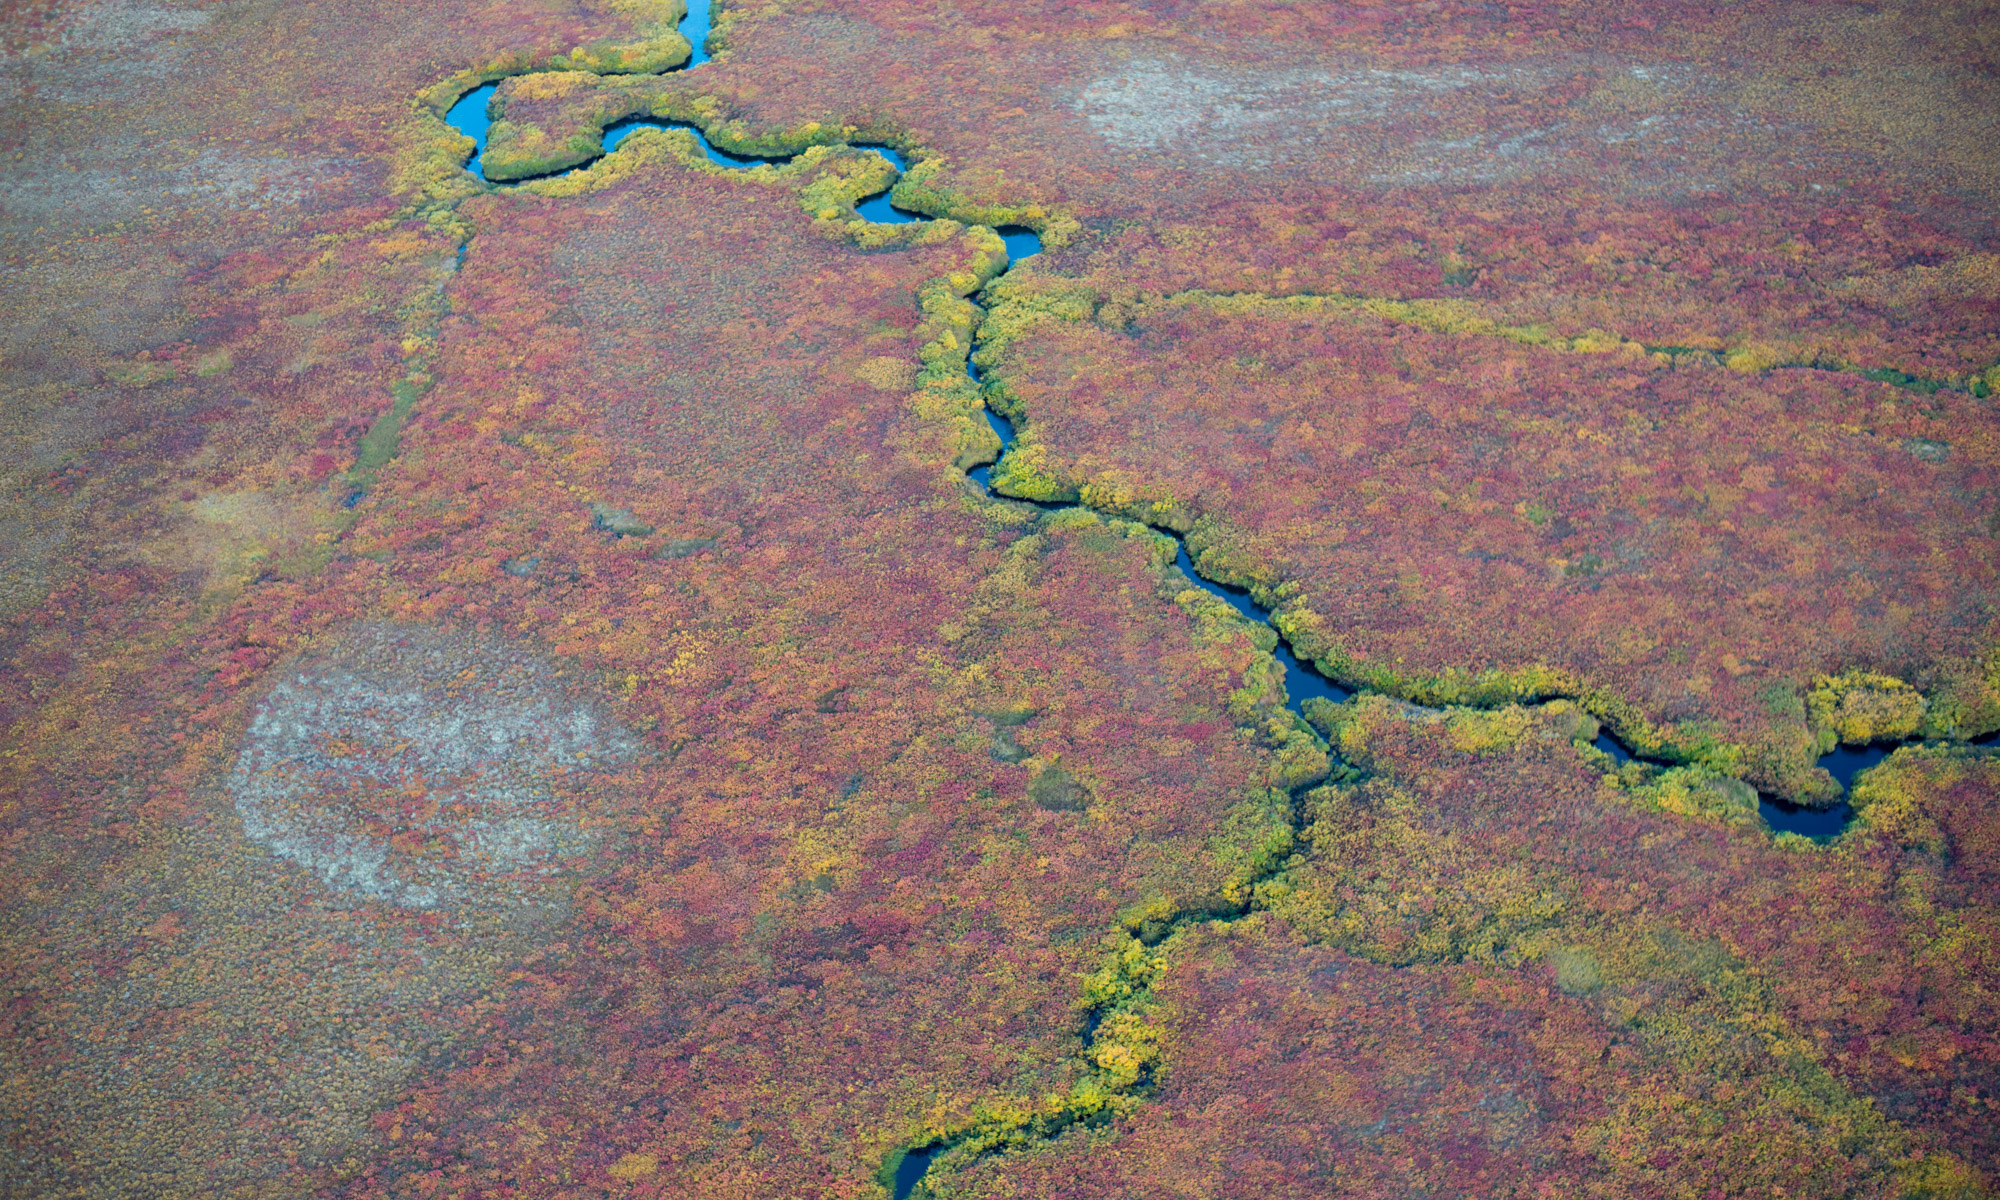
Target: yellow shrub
[(548, 85), (1480, 731), (1860, 707), (633, 1166)]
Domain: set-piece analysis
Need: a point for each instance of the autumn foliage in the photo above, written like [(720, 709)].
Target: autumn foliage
[(509, 691)]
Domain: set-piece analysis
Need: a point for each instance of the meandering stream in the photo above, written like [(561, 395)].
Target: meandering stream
[(470, 115)]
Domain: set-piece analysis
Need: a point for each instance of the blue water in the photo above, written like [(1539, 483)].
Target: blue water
[(911, 1170), (722, 158), (469, 117), (1819, 824), (879, 210), (695, 28), (1022, 242), (1301, 681), (1846, 762), (472, 116), (983, 476), (1001, 426), (1238, 599), (895, 156)]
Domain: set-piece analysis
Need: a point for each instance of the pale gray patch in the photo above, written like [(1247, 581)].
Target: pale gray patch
[(122, 26), (1152, 102), (160, 1078), (1469, 160), (34, 541), (1650, 127), (420, 769), (68, 192), (108, 49), (117, 299)]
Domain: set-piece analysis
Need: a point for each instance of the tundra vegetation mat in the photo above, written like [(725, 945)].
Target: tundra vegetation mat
[(641, 669)]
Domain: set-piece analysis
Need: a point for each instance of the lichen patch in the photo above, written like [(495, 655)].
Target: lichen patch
[(421, 769)]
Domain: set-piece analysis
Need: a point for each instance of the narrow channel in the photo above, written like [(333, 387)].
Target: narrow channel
[(1301, 680), (1844, 763), (472, 117)]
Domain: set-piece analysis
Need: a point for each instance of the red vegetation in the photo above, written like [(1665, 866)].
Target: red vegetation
[(1534, 990), (513, 694), (1423, 506)]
